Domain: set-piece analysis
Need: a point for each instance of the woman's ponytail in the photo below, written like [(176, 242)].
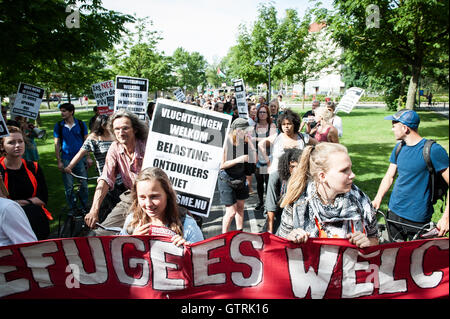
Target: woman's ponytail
[(299, 178)]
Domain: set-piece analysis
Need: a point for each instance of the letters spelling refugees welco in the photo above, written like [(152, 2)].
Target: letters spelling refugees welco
[(191, 119)]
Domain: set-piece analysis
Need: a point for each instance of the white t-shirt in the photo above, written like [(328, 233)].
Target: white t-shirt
[(278, 149), (337, 123), (14, 225)]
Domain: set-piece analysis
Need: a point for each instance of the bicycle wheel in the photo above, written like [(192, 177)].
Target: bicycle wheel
[(67, 229)]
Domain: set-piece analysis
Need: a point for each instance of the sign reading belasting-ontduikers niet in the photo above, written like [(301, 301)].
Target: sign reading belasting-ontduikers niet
[(187, 143)]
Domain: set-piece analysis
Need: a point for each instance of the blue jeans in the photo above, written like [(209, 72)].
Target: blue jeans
[(79, 169)]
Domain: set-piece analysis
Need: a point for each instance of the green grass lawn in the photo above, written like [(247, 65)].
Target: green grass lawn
[(370, 141), (367, 136)]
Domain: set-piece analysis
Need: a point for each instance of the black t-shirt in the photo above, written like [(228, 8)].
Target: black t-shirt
[(20, 186), (238, 170)]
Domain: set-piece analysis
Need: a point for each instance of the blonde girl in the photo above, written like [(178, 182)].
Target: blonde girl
[(322, 201), (324, 130)]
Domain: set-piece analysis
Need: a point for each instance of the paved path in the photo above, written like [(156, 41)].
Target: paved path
[(253, 220)]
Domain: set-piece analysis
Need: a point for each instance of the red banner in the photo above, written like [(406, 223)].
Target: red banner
[(236, 265)]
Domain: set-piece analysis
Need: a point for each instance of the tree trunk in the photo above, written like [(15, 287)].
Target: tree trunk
[(413, 85), (303, 94), (47, 94), (402, 91)]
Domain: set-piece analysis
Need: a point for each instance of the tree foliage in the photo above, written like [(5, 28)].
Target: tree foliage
[(284, 44), (190, 69), (408, 37), (39, 43), (138, 56)]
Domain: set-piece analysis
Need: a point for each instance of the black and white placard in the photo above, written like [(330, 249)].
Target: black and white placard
[(3, 128), (131, 94), (28, 101), (187, 143), (104, 92), (179, 95), (241, 101), (349, 100)]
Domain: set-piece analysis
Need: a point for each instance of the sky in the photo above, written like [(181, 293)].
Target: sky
[(209, 27)]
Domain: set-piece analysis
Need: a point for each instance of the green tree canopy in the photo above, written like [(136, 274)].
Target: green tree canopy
[(384, 35), (39, 36), (138, 56), (190, 69)]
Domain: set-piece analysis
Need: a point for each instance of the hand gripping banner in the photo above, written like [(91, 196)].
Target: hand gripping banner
[(236, 265)]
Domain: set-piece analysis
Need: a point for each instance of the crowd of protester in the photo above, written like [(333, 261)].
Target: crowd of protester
[(304, 177)]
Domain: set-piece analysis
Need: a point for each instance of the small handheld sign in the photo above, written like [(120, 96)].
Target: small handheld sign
[(131, 94), (104, 95), (179, 95), (349, 100), (3, 128), (28, 101), (241, 101)]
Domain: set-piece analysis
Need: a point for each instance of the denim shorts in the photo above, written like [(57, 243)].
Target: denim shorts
[(228, 195)]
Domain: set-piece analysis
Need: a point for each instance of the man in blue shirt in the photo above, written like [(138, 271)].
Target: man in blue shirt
[(69, 135), (410, 200)]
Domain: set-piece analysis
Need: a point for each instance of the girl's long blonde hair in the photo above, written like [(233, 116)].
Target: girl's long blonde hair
[(172, 216), (314, 159)]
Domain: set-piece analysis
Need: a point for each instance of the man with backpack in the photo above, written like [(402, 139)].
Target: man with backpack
[(69, 134), (415, 191)]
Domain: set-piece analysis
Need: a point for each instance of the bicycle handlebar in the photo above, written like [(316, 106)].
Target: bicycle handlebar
[(113, 229), (429, 228), (84, 177)]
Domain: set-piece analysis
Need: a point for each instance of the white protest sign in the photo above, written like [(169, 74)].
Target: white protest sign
[(241, 101), (28, 101), (104, 94), (179, 95), (3, 128), (349, 100), (131, 94), (187, 143)]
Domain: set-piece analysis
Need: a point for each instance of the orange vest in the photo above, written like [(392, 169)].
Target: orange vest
[(32, 180)]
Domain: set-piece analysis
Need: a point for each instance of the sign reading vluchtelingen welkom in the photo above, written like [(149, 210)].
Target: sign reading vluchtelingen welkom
[(131, 94), (187, 142), (28, 101)]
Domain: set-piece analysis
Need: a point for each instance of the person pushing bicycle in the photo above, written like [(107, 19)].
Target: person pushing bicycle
[(410, 201)]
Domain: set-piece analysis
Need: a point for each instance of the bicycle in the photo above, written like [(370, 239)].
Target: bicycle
[(74, 225), (426, 231)]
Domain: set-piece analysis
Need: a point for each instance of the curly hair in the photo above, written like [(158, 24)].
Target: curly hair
[(291, 116), (139, 126), (289, 155)]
